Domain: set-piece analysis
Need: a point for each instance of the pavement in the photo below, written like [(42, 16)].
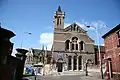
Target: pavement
[(70, 77), (93, 74)]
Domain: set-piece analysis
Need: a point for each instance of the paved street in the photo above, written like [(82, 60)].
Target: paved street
[(93, 74), (57, 78), (69, 77)]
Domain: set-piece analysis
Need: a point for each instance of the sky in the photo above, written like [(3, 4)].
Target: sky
[(36, 17)]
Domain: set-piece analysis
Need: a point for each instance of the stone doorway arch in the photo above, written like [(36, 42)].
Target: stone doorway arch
[(60, 65)]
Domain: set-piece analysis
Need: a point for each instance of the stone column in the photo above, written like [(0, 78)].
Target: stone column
[(82, 62), (75, 46), (72, 63)]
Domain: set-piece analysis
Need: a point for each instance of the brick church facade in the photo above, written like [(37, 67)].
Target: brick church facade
[(72, 46)]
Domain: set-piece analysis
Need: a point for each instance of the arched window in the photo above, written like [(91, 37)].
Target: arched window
[(80, 62), (60, 21), (76, 46), (74, 43), (57, 21), (67, 44), (81, 45), (69, 62), (75, 63), (74, 39)]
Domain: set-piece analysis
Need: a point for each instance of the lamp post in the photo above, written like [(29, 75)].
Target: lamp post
[(22, 38), (100, 58)]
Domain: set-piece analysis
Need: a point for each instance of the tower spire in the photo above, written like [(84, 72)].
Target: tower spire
[(59, 9), (59, 18)]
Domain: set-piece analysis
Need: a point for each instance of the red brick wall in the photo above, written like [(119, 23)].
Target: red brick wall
[(112, 51)]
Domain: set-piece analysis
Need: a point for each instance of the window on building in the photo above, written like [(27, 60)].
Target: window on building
[(81, 45), (74, 43), (80, 62), (69, 63), (57, 21), (118, 33), (74, 62), (76, 46), (67, 44), (60, 21)]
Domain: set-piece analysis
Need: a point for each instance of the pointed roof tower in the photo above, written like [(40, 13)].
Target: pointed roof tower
[(59, 9)]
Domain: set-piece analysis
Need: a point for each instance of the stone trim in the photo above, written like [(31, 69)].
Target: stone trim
[(64, 41), (58, 32), (74, 52), (59, 41)]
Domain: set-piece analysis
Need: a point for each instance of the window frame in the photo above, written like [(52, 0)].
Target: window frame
[(118, 38)]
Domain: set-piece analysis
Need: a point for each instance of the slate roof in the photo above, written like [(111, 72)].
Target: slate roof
[(37, 52), (59, 9), (74, 25), (111, 31)]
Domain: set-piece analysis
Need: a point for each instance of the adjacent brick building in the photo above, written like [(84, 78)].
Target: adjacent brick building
[(112, 53)]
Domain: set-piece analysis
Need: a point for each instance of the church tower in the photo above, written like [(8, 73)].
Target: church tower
[(59, 19)]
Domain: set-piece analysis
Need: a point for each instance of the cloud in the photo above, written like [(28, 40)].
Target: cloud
[(46, 39), (98, 24)]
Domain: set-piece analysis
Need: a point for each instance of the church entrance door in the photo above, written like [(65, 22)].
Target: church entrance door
[(60, 66)]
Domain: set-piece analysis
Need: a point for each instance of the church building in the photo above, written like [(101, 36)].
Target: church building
[(72, 46)]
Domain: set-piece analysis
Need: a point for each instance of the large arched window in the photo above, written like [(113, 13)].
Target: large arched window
[(67, 44), (57, 21), (75, 63), (80, 62), (74, 43), (81, 45), (69, 62)]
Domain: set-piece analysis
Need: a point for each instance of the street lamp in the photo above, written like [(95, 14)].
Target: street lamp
[(100, 58), (22, 38)]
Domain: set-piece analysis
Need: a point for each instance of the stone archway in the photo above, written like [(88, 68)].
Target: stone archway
[(60, 65)]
